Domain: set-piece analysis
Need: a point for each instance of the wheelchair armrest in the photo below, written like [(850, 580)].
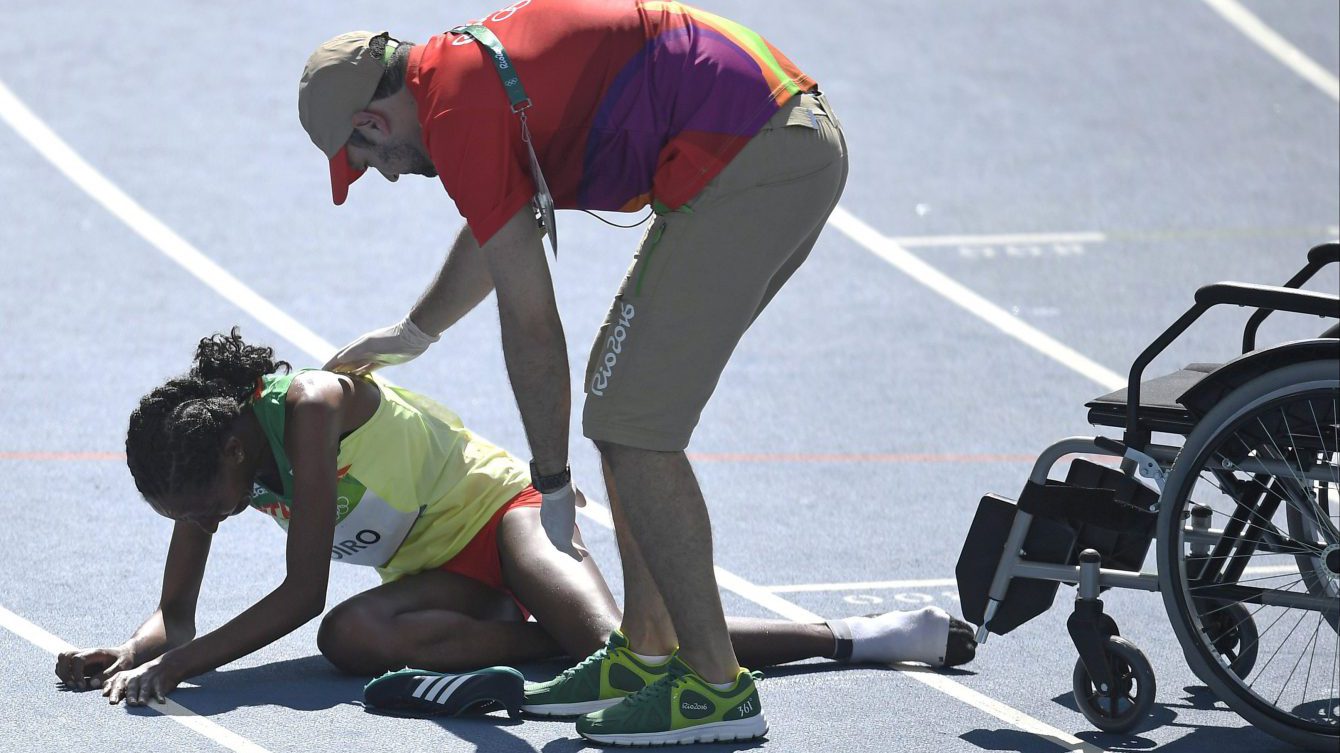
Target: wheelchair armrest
[(1263, 297), (1270, 297)]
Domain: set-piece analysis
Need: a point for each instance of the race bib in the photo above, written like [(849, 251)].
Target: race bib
[(368, 530)]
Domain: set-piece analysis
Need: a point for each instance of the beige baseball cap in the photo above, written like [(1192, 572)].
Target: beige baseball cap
[(338, 81)]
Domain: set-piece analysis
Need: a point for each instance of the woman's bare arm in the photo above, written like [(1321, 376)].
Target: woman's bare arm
[(316, 405), (171, 625)]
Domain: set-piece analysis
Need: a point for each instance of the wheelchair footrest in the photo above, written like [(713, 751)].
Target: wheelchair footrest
[(1096, 507), (1047, 541), (1080, 506), (1109, 511)]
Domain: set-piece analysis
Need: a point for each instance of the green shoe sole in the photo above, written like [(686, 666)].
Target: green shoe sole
[(749, 728)]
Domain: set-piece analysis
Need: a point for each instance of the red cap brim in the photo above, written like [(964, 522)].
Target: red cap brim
[(342, 175)]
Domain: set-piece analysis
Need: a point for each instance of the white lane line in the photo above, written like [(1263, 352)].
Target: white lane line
[(1256, 30), (172, 710), (997, 709), (1010, 239), (170, 244), (872, 585), (160, 236), (891, 251), (32, 633)]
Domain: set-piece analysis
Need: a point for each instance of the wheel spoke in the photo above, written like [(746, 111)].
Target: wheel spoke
[(1299, 661), (1277, 648), (1247, 580), (1315, 509), (1307, 678), (1266, 524)]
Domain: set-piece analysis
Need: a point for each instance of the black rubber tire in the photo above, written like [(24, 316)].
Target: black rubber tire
[(1267, 389), (1134, 680)]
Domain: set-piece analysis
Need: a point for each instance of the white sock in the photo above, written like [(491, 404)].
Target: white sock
[(647, 659), (919, 636), (722, 686)]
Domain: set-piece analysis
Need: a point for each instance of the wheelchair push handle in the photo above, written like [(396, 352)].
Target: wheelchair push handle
[(1326, 253), (1317, 258)]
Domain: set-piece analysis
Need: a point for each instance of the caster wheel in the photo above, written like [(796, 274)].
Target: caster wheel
[(1122, 707), (1232, 631)]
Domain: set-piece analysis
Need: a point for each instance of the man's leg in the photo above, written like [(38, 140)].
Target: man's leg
[(646, 622), (571, 600), (658, 493), (698, 281)]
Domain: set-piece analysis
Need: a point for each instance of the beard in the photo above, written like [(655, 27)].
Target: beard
[(406, 159)]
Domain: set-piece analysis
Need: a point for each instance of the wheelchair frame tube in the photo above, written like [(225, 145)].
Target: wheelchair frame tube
[(1072, 574), (1285, 469), (1042, 467), (1010, 555)]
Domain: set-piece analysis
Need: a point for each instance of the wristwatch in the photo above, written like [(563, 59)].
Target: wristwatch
[(551, 483)]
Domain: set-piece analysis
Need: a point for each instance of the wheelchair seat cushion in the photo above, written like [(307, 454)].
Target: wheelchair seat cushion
[(1160, 409)]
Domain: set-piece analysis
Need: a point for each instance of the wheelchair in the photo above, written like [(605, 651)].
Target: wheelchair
[(1240, 495)]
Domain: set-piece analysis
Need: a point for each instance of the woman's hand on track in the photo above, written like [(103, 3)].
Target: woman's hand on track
[(86, 668), (152, 680)]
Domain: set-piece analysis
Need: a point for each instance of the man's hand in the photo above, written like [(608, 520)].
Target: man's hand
[(558, 516), (151, 680), (398, 343), (86, 668)]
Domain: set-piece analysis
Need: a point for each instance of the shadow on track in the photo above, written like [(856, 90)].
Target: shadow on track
[(306, 684)]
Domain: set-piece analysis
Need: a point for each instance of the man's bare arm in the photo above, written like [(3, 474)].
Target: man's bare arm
[(532, 338), (460, 285)]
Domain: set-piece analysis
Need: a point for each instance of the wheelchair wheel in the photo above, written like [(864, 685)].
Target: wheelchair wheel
[(1265, 462), (1132, 695)]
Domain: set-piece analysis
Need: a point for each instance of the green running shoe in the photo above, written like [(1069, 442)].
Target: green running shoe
[(600, 681), (680, 708)]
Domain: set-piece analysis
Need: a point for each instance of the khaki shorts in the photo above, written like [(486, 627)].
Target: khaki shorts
[(704, 272)]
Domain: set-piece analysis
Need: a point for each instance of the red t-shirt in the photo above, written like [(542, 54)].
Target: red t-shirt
[(634, 101)]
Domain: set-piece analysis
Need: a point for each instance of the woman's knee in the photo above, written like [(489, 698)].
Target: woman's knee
[(361, 637), (352, 636)]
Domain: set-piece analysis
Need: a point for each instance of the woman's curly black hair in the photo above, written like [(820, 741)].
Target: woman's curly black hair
[(178, 430)]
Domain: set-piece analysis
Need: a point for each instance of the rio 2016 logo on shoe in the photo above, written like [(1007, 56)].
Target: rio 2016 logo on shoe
[(613, 347)]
